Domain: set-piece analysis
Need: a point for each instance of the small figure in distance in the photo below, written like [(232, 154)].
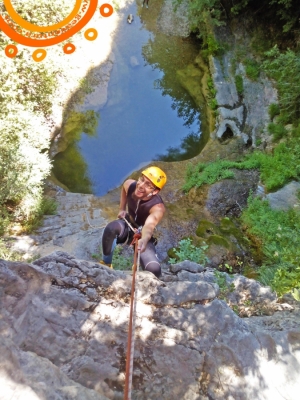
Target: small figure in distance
[(145, 2), (130, 18)]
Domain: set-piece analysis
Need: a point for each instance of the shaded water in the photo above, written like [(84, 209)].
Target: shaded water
[(148, 116)]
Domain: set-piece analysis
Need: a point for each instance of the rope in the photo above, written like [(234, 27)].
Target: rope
[(131, 330), (92, 226), (135, 230)]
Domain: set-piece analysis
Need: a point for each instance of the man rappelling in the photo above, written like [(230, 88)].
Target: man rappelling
[(145, 209)]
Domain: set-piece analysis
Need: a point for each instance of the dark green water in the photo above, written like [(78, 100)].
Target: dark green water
[(148, 116)]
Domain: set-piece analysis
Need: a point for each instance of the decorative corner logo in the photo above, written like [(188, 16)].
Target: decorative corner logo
[(27, 34)]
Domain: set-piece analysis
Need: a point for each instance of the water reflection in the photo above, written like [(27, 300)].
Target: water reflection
[(190, 146), (149, 113), (69, 165), (170, 55)]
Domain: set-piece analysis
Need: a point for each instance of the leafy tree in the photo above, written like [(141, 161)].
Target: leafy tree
[(26, 97)]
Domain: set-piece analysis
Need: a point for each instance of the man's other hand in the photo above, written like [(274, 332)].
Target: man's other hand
[(122, 214)]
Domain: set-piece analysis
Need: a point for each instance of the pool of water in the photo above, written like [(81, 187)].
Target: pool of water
[(148, 114)]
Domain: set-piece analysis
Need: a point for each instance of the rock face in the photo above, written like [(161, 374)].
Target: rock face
[(244, 113), (64, 331), (286, 197), (76, 227)]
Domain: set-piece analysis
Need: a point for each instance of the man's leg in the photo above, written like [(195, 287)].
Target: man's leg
[(149, 260), (115, 232)]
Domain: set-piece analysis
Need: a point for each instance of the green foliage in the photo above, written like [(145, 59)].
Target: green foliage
[(7, 254), (85, 86), (206, 174), (239, 84), (287, 12), (116, 5), (46, 206), (277, 130), (278, 233), (296, 294), (280, 167), (276, 169), (206, 14), (286, 278), (211, 87), (201, 174), (187, 251), (274, 110), (285, 69), (27, 91), (212, 94), (224, 286), (237, 8), (120, 261), (211, 47), (203, 15), (252, 69)]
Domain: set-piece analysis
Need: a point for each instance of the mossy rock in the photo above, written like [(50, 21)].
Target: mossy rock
[(189, 78), (226, 224), (229, 229), (206, 228), (171, 253), (218, 241)]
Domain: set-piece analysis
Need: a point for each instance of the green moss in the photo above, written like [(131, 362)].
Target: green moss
[(172, 253), (252, 69), (239, 84), (206, 228), (218, 241), (226, 224), (190, 79), (273, 110)]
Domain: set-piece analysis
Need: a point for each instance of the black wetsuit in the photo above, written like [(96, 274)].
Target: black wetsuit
[(118, 231)]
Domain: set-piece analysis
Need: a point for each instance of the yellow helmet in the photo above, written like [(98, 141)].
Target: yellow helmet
[(156, 176)]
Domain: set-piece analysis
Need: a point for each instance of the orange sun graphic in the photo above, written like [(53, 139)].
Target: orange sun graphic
[(28, 34)]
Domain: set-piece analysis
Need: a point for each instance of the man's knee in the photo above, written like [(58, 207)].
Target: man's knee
[(154, 267)]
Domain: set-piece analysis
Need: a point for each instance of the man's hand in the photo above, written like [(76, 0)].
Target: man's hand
[(122, 214), (142, 243)]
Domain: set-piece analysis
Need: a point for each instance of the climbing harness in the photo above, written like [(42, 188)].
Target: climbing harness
[(131, 330)]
